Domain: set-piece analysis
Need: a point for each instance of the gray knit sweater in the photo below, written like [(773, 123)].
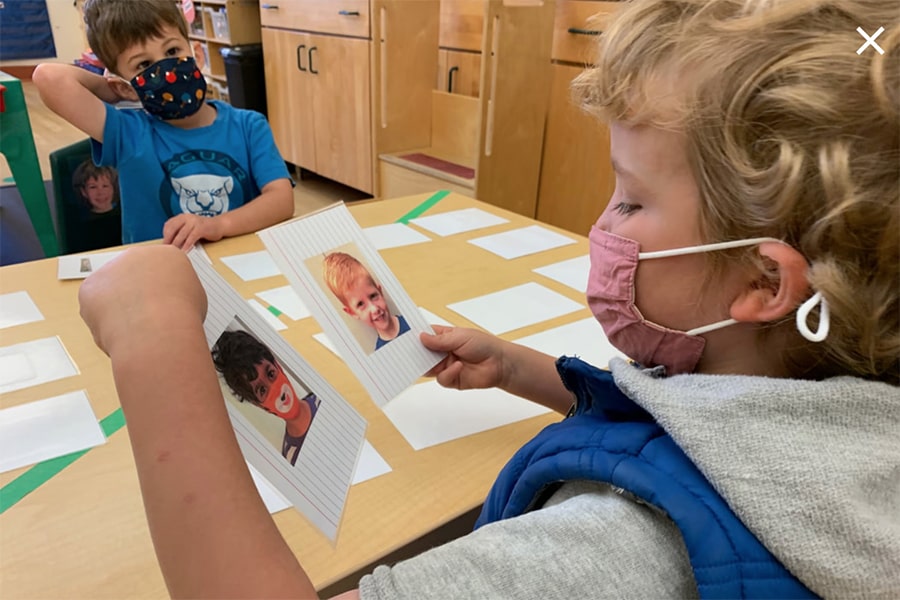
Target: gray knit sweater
[(811, 468)]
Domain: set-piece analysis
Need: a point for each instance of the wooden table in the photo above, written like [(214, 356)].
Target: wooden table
[(83, 533)]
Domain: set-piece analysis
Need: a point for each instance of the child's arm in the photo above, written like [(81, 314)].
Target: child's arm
[(273, 205), (76, 95), (480, 360), (146, 310)]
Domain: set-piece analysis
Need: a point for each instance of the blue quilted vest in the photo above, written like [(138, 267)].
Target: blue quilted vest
[(611, 439)]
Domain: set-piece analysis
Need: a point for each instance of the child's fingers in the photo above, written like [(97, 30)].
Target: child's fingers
[(450, 377)]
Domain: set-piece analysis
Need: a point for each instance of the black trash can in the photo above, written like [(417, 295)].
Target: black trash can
[(246, 76)]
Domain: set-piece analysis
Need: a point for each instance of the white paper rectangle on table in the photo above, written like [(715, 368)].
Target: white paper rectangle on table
[(323, 339), (271, 497), (371, 464), (46, 429), (273, 321), (584, 339), (428, 414), (573, 272), (522, 242), (434, 319), (252, 265), (394, 235), (515, 307), (17, 308), (318, 480), (79, 266), (286, 301), (32, 363), (458, 221), (385, 366)]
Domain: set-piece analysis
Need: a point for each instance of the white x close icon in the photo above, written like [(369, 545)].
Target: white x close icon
[(870, 41)]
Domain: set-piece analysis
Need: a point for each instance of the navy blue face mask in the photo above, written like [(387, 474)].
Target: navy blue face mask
[(172, 88)]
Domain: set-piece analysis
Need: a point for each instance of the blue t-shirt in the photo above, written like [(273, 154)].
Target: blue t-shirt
[(404, 327), (165, 170)]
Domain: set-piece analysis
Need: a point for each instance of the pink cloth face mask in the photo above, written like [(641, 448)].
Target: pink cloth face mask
[(610, 294)]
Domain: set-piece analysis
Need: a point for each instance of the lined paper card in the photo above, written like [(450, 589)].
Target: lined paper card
[(45, 429), (32, 363), (458, 221), (515, 307), (522, 242), (18, 308), (573, 272), (356, 299), (427, 414), (309, 453)]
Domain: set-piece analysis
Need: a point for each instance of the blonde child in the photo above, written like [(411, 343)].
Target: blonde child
[(756, 450), (362, 297), (189, 169)]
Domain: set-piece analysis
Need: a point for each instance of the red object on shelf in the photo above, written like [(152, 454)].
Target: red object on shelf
[(2, 101)]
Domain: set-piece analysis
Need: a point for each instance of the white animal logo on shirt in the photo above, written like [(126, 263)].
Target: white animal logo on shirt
[(205, 195)]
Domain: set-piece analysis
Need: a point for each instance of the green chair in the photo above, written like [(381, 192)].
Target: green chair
[(17, 145), (80, 230)]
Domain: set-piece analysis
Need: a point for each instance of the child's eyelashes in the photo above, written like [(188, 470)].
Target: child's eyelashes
[(624, 208)]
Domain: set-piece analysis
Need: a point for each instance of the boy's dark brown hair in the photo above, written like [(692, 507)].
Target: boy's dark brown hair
[(236, 355), (112, 26)]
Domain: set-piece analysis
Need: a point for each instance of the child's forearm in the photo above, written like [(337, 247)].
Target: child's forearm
[(274, 205), (532, 375), (53, 79)]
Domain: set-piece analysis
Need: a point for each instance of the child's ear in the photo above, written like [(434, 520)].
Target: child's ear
[(349, 311), (768, 297), (122, 89)]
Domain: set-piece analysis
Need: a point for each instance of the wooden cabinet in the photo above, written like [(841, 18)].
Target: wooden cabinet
[(460, 40), (487, 144), (220, 24), (576, 175), (318, 102), (459, 72), (344, 78)]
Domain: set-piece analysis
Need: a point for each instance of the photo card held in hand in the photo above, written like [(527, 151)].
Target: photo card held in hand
[(355, 297), (291, 425)]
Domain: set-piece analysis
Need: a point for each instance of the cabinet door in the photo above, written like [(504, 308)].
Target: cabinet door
[(576, 175), (459, 72), (341, 105), (289, 97)]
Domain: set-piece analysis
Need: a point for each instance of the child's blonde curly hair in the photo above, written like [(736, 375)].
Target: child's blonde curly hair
[(791, 134)]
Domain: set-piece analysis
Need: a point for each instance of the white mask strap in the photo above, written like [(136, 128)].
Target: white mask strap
[(711, 327), (824, 318), (706, 248)]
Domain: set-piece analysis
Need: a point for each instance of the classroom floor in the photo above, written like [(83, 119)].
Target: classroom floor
[(51, 132)]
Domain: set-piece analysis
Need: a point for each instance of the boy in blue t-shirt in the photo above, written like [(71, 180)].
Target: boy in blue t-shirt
[(189, 170)]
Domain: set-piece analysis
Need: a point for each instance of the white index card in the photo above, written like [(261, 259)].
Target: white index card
[(573, 272), (252, 265), (433, 319), (271, 497), (45, 429), (79, 266), (522, 242), (17, 308), (286, 301), (458, 221), (31, 363), (394, 235), (370, 465), (584, 339), (428, 414), (273, 321), (515, 307)]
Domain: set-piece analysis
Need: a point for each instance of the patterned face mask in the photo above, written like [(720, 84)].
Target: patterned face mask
[(172, 88)]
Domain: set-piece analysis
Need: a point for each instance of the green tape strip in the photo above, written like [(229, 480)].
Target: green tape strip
[(417, 211), (274, 311), (40, 473)]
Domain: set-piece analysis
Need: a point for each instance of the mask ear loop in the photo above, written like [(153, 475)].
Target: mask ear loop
[(824, 318)]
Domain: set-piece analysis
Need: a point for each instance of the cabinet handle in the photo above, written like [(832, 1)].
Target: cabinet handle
[(491, 103), (348, 13), (269, 6), (579, 31), (311, 70), (300, 57), (450, 79)]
